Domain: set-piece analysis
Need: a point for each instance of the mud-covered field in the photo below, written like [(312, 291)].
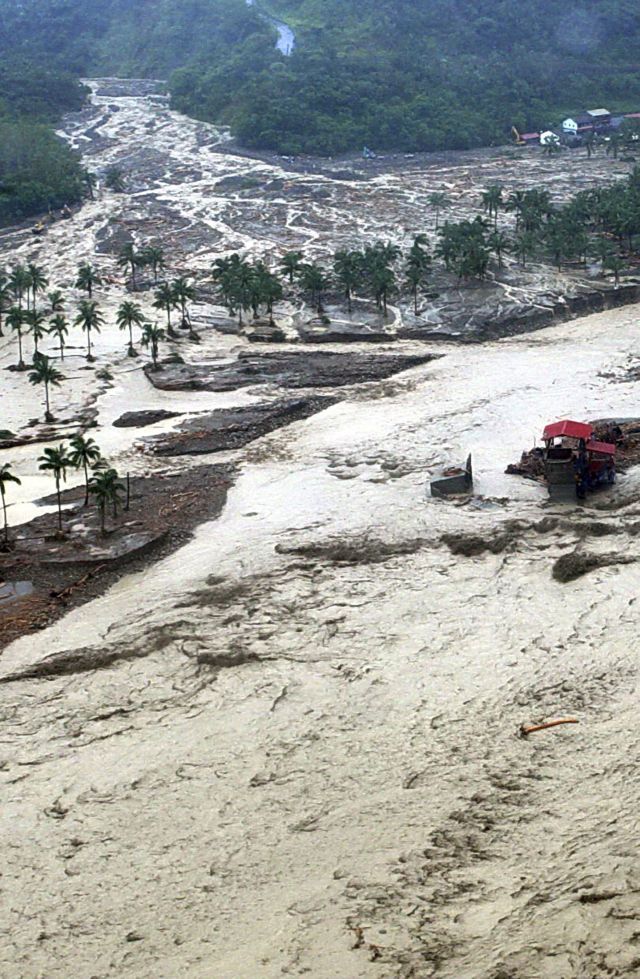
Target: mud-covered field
[(292, 745)]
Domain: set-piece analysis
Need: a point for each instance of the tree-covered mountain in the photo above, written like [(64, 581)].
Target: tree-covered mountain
[(405, 74)]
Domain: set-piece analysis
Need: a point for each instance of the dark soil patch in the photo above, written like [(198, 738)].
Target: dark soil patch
[(68, 571), (288, 369), (363, 550), (578, 563), (139, 419), (232, 428), (471, 545)]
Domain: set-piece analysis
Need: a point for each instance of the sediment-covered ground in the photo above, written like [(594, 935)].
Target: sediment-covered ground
[(291, 747)]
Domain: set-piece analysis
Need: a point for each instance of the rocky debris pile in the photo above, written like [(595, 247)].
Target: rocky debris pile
[(140, 419), (289, 369), (232, 428)]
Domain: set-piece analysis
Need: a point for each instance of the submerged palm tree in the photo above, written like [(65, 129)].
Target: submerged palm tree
[(45, 373), (165, 299), (151, 337), (87, 278), (58, 328), (129, 315), (37, 327), (84, 453), (90, 319), (15, 320), (6, 477), (56, 461)]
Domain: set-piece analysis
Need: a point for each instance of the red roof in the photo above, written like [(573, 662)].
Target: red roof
[(605, 448), (569, 429)]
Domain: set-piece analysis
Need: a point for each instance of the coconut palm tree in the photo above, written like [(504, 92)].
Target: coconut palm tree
[(290, 265), (45, 373), (314, 280), (183, 293), (90, 320), (36, 326), (154, 256), (37, 281), (129, 315), (84, 454), (152, 334), (106, 488), (165, 299), (234, 280), (58, 328), (56, 461), (114, 179), (15, 322), (5, 299), (499, 243), (56, 301), (87, 278), (129, 260), (6, 477), (439, 202), (492, 201), (347, 269), (19, 283)]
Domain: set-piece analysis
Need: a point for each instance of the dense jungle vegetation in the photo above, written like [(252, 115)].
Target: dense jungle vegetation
[(402, 74)]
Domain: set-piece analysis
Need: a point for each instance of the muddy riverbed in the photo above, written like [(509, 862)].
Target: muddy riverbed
[(291, 746)]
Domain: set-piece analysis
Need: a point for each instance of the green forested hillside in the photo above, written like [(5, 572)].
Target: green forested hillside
[(405, 74)]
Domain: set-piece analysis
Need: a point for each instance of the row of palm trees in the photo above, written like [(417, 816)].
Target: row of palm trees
[(102, 483)]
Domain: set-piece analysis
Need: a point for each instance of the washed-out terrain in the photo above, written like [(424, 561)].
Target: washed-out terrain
[(291, 747)]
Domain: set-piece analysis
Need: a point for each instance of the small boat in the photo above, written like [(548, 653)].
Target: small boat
[(574, 462), (454, 481)]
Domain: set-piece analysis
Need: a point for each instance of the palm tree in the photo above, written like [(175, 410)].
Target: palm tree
[(290, 265), (492, 201), (114, 179), (89, 318), (106, 488), (128, 315), (234, 278), (6, 477), (151, 337), (19, 283), (129, 259), (165, 299), (314, 280), (56, 301), (84, 453), (37, 280), (347, 268), (36, 324), (183, 293), (57, 462), (439, 202), (15, 322), (59, 329), (45, 373), (5, 299), (154, 256), (87, 278), (499, 243)]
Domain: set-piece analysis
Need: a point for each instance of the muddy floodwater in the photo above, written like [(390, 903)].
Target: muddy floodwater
[(291, 747)]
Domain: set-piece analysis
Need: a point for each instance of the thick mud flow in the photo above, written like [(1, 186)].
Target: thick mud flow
[(292, 747)]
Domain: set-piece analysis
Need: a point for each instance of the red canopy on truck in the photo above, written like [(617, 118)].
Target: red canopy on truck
[(567, 429)]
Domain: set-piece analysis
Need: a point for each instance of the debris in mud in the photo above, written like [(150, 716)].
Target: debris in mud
[(139, 419), (526, 729), (623, 433), (577, 563), (289, 369), (363, 550), (471, 545), (232, 428)]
